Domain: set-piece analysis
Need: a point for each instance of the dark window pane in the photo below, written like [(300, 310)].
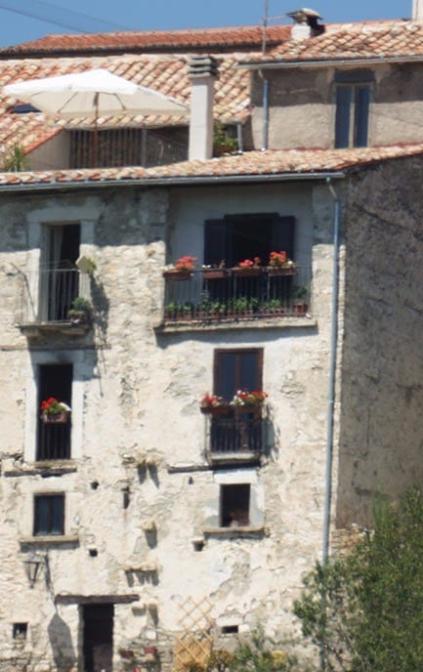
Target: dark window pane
[(41, 516), (235, 505), (343, 112), (236, 370), (49, 515), (225, 383), (57, 514), (283, 235), (362, 103), (248, 377), (216, 242)]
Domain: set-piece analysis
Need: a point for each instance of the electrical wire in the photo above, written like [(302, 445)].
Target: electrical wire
[(59, 16)]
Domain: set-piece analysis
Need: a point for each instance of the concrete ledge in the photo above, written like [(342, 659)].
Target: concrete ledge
[(277, 323), (96, 599), (58, 540), (236, 532), (62, 328), (44, 468)]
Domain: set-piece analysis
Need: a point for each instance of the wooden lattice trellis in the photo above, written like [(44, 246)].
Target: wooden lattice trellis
[(193, 646)]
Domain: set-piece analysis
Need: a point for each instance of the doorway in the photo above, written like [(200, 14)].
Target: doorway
[(98, 637)]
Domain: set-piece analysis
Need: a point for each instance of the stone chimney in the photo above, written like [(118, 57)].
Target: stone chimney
[(203, 72), (418, 10), (306, 24)]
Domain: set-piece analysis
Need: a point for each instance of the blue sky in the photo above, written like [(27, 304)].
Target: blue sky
[(167, 14)]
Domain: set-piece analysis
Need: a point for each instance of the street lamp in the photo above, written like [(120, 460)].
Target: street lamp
[(32, 564)]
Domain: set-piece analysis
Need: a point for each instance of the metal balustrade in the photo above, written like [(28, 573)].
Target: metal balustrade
[(237, 434), (231, 294), (47, 295), (54, 440)]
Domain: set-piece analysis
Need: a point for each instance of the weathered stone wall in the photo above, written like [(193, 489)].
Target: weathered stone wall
[(135, 395), (381, 433), (302, 109)]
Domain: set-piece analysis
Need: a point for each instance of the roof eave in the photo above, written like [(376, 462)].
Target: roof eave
[(172, 181), (318, 63)]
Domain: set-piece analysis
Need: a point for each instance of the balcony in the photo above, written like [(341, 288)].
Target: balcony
[(234, 295), (236, 437), (48, 303), (54, 441)]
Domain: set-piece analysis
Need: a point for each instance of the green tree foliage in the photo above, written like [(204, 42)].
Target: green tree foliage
[(365, 610)]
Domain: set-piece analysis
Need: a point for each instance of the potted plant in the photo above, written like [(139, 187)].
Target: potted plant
[(248, 268), (80, 311), (182, 269), (214, 272), (272, 307), (212, 404), (300, 304), (249, 400), (54, 411), (280, 264), (223, 143)]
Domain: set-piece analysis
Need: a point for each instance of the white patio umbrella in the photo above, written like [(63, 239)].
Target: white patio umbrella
[(92, 93)]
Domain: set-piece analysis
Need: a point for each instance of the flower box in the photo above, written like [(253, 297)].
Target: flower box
[(215, 411), (214, 273), (300, 309), (55, 418), (178, 275), (281, 270), (252, 272)]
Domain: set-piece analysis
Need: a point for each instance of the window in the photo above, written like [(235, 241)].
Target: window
[(235, 505), (236, 370), (19, 631), (59, 284), (49, 515), (54, 439), (238, 237), (353, 95)]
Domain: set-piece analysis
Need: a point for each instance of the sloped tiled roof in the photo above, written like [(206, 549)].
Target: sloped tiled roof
[(370, 40), (167, 74), (215, 39), (259, 164)]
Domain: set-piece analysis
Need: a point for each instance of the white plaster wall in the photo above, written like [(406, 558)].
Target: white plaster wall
[(138, 394)]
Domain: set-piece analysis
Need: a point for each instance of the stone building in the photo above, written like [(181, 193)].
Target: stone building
[(135, 516)]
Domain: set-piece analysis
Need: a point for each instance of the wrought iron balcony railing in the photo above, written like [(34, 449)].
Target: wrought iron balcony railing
[(238, 435), (217, 295), (54, 441), (48, 295)]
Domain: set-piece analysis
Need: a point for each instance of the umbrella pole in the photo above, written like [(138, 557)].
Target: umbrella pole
[(95, 139)]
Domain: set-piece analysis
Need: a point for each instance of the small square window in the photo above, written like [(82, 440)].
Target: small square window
[(235, 505), (49, 515), (20, 631)]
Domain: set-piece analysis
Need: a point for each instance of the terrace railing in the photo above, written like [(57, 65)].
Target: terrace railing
[(49, 293), (215, 295)]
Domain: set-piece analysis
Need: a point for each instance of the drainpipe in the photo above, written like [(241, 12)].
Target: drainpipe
[(265, 142), (332, 371)]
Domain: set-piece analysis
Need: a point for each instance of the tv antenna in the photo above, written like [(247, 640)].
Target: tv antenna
[(265, 23)]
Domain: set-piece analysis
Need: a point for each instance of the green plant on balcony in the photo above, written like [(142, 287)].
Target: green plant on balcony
[(223, 143), (272, 307), (16, 160), (80, 311), (300, 300), (178, 311)]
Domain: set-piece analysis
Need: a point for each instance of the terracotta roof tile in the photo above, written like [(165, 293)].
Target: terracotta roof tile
[(246, 37), (394, 39), (167, 74), (271, 163)]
